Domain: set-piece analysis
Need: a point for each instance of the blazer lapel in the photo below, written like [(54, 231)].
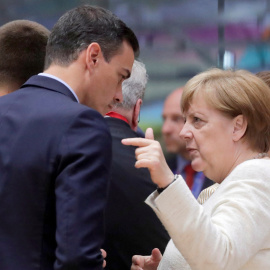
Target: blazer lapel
[(50, 84)]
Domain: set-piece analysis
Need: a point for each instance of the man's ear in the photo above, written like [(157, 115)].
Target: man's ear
[(239, 128), (136, 113), (93, 55)]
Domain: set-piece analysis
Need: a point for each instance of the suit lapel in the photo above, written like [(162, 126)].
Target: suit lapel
[(50, 84)]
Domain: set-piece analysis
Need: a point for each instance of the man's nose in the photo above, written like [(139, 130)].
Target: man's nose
[(118, 95), (166, 127)]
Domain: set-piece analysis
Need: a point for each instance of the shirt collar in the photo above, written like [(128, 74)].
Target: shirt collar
[(61, 81), (117, 115)]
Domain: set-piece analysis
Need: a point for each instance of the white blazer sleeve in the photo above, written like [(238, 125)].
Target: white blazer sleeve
[(230, 228)]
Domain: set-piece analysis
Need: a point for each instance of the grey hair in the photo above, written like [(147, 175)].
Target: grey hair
[(134, 87)]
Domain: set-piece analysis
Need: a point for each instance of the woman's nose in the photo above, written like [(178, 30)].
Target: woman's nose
[(185, 133)]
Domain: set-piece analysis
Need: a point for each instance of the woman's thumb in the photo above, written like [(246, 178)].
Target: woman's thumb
[(149, 134)]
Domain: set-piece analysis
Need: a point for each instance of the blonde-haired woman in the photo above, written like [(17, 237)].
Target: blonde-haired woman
[(227, 133)]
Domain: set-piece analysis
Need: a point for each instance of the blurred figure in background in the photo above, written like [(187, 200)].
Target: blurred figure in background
[(131, 227), (173, 122), (22, 53), (256, 55), (265, 76)]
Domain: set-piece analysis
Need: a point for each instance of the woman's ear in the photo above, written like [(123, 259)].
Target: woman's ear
[(239, 128), (93, 54)]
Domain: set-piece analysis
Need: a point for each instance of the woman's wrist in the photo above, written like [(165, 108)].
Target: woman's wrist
[(160, 189)]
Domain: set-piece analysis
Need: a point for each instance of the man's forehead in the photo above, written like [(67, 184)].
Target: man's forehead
[(172, 111)]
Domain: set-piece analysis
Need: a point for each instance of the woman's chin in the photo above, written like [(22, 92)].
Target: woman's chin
[(197, 165)]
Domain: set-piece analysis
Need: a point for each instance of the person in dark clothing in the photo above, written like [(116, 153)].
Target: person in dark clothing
[(55, 146), (130, 227)]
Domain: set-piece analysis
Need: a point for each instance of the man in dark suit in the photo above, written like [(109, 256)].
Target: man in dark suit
[(130, 225), (173, 122), (55, 152)]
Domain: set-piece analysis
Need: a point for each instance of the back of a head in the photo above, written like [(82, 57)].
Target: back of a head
[(134, 87), (235, 93), (22, 51), (80, 27)]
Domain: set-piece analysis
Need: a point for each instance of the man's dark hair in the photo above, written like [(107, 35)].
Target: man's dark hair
[(22, 50), (81, 26)]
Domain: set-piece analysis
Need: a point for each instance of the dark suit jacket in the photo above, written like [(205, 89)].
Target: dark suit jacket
[(131, 225), (55, 156)]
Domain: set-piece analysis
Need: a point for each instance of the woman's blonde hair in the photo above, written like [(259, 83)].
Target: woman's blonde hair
[(235, 93)]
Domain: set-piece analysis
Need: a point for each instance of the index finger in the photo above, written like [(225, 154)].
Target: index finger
[(137, 142)]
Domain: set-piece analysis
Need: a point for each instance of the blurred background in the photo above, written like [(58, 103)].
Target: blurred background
[(178, 38)]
